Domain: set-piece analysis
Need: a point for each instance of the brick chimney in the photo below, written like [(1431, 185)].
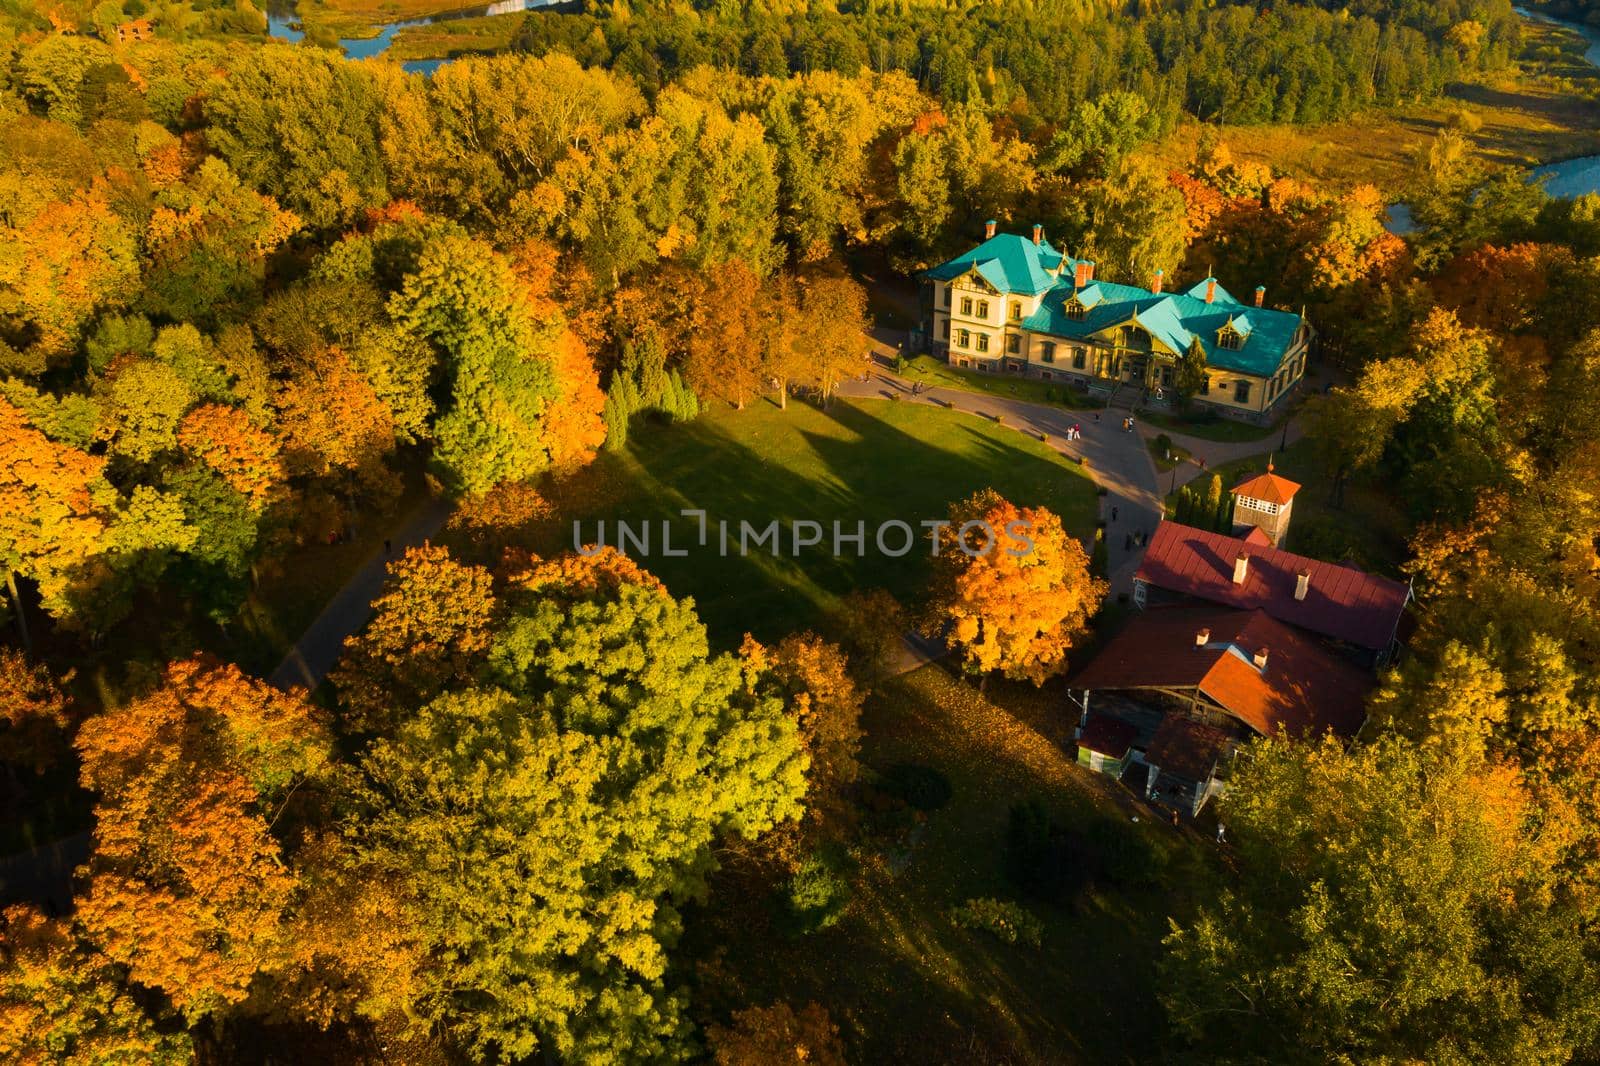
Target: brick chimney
[(1082, 274), (1260, 658), (988, 229), (1090, 265), (1038, 233), (1261, 294), (1302, 584), (1155, 282), (1211, 290), (1241, 568), (1202, 638)]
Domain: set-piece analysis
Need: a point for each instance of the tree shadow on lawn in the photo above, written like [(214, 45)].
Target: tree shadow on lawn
[(906, 984), (761, 465)]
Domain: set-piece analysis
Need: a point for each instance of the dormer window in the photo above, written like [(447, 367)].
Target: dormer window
[(1230, 338), (1075, 310)]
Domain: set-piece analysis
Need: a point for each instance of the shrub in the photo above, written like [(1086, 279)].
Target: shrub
[(1001, 918), (899, 364), (919, 786), (1041, 858), (1163, 444), (817, 894), (1125, 855)]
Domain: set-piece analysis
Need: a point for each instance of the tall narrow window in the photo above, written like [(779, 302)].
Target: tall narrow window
[(983, 342), (1241, 392), (963, 339), (1013, 343), (983, 309), (1047, 352), (966, 305), (1016, 310), (1080, 358)]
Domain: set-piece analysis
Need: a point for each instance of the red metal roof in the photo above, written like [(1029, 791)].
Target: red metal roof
[(1341, 602), (1303, 689), (1186, 748), (1108, 736)]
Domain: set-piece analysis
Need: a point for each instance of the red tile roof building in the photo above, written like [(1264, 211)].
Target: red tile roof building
[(1335, 601), (1266, 675)]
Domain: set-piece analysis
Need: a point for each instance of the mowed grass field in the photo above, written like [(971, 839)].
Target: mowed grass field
[(903, 982), (854, 462)]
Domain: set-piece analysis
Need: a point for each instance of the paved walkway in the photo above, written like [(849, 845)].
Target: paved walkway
[(309, 661), (1117, 461)]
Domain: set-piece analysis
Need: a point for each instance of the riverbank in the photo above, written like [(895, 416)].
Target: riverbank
[(1544, 112)]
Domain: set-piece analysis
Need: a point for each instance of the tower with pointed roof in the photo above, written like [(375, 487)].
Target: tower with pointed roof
[(1264, 502)]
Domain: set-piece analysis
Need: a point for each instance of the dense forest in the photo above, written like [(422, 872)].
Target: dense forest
[(250, 292)]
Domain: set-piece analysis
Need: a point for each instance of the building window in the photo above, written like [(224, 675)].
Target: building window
[(1259, 505), (1241, 392), (1076, 310), (1016, 310), (1080, 358), (1013, 344), (983, 309), (944, 329), (983, 342), (944, 296), (963, 339), (1047, 352), (1046, 375), (966, 305), (1230, 339)]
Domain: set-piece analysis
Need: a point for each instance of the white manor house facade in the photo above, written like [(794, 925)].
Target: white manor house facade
[(1016, 305)]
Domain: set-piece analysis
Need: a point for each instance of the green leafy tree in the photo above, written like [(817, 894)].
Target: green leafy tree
[(1191, 376), (549, 820), (301, 125), (464, 298), (1392, 904)]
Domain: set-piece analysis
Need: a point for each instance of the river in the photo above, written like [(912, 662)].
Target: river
[(1565, 180), (285, 26)]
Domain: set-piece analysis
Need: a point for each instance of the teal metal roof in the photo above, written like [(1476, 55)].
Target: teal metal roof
[(1175, 319), (1010, 263), (1014, 264)]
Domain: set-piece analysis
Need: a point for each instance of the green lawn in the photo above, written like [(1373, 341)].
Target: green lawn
[(1214, 427), (1370, 530), (931, 371), (905, 984), (858, 461)]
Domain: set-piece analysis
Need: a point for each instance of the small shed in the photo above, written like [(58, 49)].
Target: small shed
[(1105, 744), (1184, 756)]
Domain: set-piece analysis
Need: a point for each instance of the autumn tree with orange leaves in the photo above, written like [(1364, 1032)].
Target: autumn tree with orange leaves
[(429, 629), (62, 1003), (33, 713), (245, 455), (187, 885), (51, 509), (1011, 588)]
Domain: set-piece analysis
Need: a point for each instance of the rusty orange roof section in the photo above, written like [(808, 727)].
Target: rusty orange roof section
[(1269, 487), (1301, 689)]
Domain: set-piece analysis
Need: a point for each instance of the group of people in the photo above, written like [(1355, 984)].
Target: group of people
[(1127, 424), (1075, 431)]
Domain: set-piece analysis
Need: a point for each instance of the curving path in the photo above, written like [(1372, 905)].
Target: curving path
[(319, 647)]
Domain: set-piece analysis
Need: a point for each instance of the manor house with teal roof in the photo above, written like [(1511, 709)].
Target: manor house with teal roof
[(1020, 306)]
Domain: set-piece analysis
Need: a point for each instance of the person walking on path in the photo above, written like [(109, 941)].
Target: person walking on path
[(1113, 514)]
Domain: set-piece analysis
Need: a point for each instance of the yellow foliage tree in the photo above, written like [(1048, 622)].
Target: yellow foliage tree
[(1012, 587)]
